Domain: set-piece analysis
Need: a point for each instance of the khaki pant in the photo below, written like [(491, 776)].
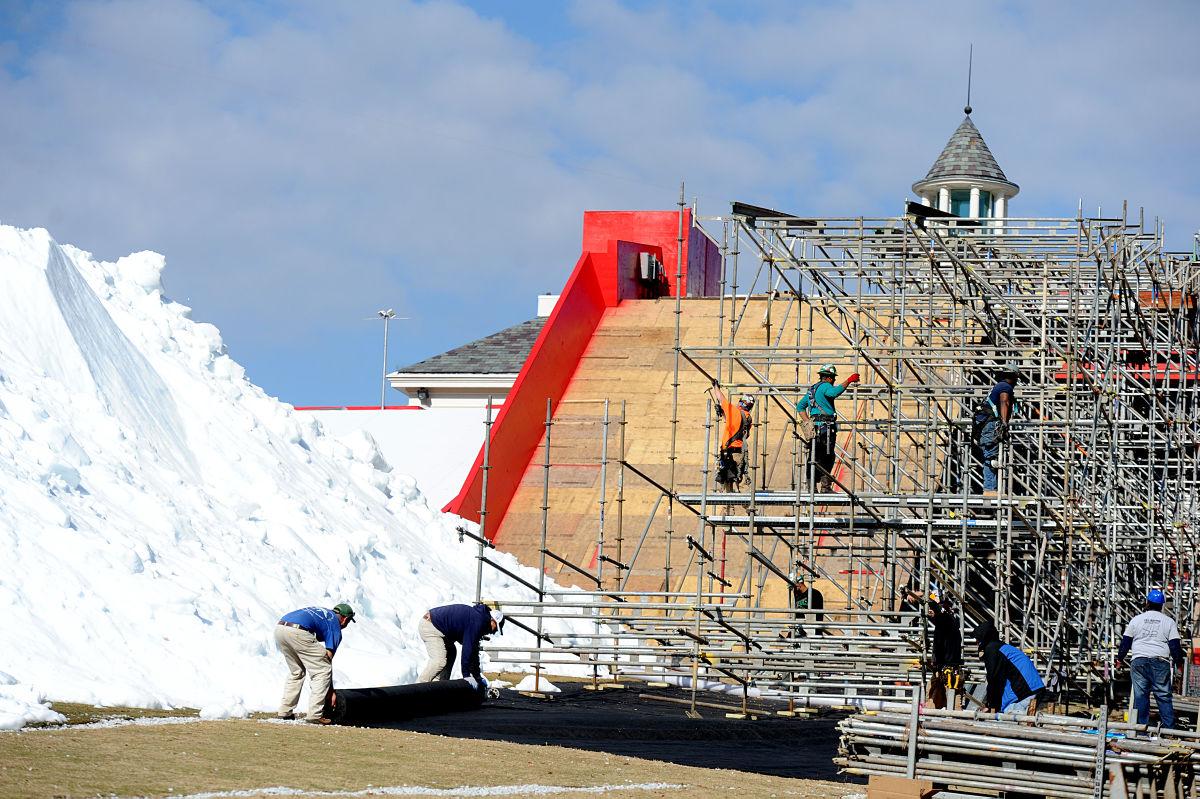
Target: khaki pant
[(303, 653), (441, 652)]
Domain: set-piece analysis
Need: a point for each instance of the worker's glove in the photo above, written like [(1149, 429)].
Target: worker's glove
[(485, 682), (854, 378), (1002, 431), (472, 682)]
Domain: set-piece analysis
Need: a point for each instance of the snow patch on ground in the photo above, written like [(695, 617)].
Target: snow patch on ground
[(108, 724), (543, 685), (159, 512), (465, 790), (21, 705)]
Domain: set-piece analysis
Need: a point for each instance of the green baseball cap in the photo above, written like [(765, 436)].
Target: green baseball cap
[(343, 609)]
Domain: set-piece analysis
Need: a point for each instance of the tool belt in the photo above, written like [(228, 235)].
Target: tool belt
[(952, 678), (291, 624)]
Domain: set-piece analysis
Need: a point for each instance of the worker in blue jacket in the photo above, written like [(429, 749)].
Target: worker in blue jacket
[(1013, 682), (466, 625)]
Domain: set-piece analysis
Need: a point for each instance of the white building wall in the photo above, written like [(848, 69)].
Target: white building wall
[(435, 447)]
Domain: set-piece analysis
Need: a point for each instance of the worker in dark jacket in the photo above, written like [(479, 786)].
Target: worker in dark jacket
[(466, 625), (805, 598), (947, 654), (1013, 682)]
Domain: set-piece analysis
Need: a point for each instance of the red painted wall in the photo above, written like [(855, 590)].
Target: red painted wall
[(518, 427), (611, 242), (659, 228)]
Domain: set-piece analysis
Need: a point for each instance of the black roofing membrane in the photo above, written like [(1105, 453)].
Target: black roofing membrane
[(618, 722)]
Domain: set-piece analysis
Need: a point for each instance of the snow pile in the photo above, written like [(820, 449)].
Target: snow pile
[(532, 683), (437, 446), (158, 512), (21, 704)]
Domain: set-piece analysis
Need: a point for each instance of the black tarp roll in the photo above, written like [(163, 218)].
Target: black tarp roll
[(399, 702)]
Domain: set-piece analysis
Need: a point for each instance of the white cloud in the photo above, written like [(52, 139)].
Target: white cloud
[(304, 163)]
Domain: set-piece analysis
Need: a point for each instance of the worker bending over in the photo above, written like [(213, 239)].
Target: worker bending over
[(731, 457), (818, 402), (1153, 638), (467, 625), (1013, 682), (307, 639)]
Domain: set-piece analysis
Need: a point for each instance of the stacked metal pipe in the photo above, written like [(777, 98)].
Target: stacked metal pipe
[(1054, 756)]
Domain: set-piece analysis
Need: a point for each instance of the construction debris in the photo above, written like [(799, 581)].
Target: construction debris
[(1055, 756)]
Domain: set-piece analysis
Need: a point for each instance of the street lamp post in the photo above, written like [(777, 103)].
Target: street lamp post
[(386, 316)]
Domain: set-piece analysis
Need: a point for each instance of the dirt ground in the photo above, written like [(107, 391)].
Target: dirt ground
[(249, 756)]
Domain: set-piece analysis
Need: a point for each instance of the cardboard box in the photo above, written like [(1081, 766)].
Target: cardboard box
[(881, 787)]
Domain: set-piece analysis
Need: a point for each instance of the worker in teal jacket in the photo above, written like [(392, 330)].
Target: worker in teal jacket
[(818, 401)]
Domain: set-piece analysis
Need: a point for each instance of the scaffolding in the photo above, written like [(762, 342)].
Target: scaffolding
[(1098, 487)]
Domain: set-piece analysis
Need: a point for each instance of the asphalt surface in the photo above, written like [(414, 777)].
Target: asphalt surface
[(624, 722)]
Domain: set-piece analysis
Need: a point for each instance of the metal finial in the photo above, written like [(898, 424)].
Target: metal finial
[(970, 63)]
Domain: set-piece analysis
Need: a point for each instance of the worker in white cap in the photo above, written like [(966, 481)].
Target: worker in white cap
[(466, 625)]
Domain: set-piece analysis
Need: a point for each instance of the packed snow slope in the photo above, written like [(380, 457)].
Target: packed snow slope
[(158, 512)]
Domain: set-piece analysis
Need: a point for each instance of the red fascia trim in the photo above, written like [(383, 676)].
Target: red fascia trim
[(547, 371)]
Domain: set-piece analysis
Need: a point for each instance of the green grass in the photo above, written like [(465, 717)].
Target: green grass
[(78, 713)]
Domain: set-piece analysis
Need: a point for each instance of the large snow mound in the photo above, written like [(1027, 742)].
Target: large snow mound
[(158, 512)]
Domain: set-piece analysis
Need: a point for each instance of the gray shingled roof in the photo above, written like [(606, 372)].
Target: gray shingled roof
[(500, 353), (966, 155)]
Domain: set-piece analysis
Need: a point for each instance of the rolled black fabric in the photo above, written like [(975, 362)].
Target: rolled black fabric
[(399, 702)]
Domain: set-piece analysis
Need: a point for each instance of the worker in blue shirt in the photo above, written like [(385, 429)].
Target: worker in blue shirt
[(443, 627), (991, 421), (818, 402), (307, 639)]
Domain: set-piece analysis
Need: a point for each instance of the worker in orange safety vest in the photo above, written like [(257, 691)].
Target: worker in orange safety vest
[(735, 428)]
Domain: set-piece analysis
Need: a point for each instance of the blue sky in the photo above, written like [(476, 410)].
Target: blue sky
[(304, 164)]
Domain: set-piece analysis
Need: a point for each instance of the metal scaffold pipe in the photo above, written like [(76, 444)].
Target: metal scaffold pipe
[(1097, 471)]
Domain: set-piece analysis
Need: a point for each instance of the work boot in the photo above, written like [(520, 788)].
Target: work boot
[(289, 716), (319, 721)]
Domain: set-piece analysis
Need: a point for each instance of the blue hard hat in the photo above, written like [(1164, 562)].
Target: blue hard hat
[(1155, 597)]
